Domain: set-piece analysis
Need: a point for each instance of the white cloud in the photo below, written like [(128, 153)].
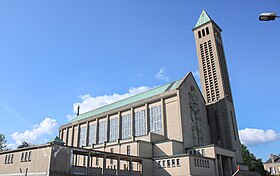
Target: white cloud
[(89, 103), (161, 75), (46, 127), (255, 137)]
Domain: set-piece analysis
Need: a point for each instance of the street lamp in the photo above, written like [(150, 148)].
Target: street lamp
[(268, 16)]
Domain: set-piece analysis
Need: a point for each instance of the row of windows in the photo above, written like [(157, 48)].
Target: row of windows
[(25, 157), (201, 163), (9, 159), (203, 32), (169, 163), (140, 124)]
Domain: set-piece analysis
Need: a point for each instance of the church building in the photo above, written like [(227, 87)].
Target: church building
[(174, 129)]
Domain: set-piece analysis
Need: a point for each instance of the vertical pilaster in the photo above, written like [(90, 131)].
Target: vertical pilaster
[(72, 137), (78, 135), (147, 118), (97, 132), (108, 129), (87, 133), (163, 124), (119, 126), (66, 140), (132, 123)]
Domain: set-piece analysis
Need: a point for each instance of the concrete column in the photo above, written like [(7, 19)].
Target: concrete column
[(96, 132), (130, 167), (230, 165), (163, 117), (66, 140), (78, 135), (108, 129), (104, 165), (147, 118), (88, 163), (132, 124), (72, 137), (118, 166), (119, 126), (221, 164), (87, 133)]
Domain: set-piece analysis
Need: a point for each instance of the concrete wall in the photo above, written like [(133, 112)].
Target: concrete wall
[(202, 122), (38, 163)]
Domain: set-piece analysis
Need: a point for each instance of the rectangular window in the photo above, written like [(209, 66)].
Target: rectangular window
[(113, 129), (91, 134), (140, 123), (203, 32), (102, 132), (25, 156), (207, 31), (159, 164), (173, 162), (126, 126), (155, 120), (178, 162), (168, 163), (22, 157), (128, 149), (199, 34), (82, 141), (163, 163), (29, 156), (6, 159)]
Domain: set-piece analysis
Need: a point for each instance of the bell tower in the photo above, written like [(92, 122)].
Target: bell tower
[(215, 84)]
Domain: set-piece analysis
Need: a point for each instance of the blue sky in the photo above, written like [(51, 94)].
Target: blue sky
[(57, 54)]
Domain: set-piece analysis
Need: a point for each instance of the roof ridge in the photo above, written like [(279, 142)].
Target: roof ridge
[(111, 104)]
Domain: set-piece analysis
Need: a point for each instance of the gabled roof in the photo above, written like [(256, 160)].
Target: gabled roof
[(276, 159), (203, 18), (129, 100)]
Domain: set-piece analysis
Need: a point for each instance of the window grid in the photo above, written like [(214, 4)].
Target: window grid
[(113, 129), (155, 120), (91, 134), (82, 141), (140, 123), (102, 132), (126, 126)]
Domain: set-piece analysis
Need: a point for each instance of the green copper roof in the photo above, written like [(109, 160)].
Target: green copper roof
[(57, 140), (203, 18), (129, 100)]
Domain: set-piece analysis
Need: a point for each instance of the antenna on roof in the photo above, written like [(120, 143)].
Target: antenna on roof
[(78, 110)]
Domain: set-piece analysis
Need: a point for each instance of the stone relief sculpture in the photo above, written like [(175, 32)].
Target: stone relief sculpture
[(195, 118)]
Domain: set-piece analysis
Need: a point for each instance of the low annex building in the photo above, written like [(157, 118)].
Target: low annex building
[(272, 165), (173, 129)]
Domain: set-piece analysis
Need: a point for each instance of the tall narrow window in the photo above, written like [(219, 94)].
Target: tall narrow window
[(199, 34), (102, 132), (113, 129), (203, 32), (126, 126), (82, 141), (207, 31), (155, 120), (140, 123), (91, 134)]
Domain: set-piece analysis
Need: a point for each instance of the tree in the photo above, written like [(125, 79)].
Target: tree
[(252, 162), (2, 142), (24, 144)]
